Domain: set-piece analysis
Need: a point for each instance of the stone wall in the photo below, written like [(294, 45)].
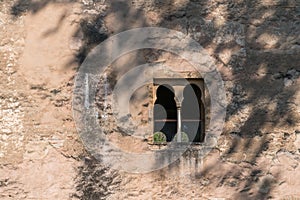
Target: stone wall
[(255, 45)]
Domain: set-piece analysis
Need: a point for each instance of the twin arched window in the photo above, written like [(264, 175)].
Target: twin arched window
[(192, 112)]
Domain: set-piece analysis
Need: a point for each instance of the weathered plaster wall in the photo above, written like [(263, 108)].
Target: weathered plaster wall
[(255, 45)]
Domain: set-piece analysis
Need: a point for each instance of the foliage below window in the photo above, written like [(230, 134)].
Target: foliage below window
[(184, 137), (159, 138)]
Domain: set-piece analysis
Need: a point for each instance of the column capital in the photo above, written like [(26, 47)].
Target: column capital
[(178, 90)]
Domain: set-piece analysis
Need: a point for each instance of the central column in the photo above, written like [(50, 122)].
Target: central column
[(178, 98), (178, 123)]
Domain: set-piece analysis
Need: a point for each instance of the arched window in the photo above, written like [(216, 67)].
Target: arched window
[(179, 107), (192, 110), (165, 113)]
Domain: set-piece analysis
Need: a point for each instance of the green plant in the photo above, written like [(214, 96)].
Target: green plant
[(159, 138), (184, 137)]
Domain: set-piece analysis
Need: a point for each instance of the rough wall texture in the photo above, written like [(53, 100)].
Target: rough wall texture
[(256, 46)]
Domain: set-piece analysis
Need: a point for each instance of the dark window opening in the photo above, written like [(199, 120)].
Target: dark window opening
[(165, 112), (192, 110), (177, 100)]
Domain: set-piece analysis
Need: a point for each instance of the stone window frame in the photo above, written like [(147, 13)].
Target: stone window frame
[(178, 84)]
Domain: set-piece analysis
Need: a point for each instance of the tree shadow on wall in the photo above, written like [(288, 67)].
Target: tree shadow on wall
[(260, 73)]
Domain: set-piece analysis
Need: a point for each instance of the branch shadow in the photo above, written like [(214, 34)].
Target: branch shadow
[(260, 70)]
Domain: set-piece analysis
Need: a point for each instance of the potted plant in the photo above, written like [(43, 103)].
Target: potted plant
[(159, 138), (184, 137)]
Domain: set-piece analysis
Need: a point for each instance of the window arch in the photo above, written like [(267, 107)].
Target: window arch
[(192, 110), (179, 107), (165, 116)]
